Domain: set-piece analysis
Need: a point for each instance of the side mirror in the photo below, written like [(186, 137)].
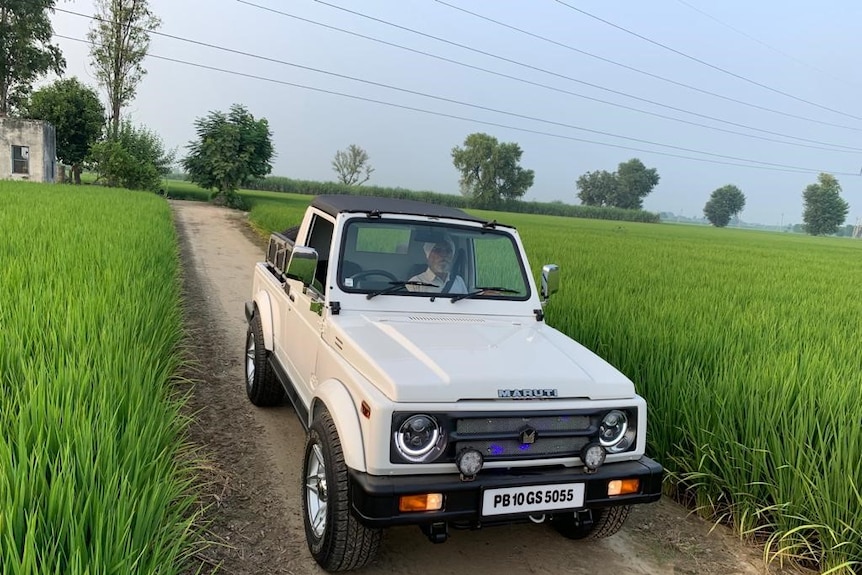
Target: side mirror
[(302, 265), (550, 280)]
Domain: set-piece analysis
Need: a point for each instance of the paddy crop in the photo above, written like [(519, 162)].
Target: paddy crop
[(94, 474)]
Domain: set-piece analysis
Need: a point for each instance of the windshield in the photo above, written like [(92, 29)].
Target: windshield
[(406, 258)]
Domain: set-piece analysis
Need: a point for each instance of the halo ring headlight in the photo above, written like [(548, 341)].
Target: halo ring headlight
[(613, 428), (420, 438)]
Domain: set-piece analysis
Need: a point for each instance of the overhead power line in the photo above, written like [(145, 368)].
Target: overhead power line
[(620, 64), (558, 75), (448, 100), (705, 63), (766, 45), (756, 164), (819, 144)]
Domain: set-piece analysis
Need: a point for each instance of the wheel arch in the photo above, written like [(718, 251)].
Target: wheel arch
[(263, 309), (333, 396)]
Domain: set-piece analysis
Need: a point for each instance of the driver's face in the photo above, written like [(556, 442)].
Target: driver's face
[(440, 259)]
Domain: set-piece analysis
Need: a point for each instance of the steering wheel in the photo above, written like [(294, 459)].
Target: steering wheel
[(366, 273)]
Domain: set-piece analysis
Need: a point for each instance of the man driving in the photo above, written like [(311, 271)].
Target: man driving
[(438, 274)]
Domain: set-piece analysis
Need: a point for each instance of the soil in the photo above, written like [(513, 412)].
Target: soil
[(254, 459)]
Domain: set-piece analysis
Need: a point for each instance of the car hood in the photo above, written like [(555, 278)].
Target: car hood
[(449, 358)]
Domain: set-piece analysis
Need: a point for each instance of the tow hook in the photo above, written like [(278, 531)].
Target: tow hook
[(584, 517), (436, 532)]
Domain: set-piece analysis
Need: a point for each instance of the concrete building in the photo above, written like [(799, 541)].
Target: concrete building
[(28, 150)]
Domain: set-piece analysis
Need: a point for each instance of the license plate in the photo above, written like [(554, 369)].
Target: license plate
[(532, 499)]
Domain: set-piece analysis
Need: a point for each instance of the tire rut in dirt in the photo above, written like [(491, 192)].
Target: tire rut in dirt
[(245, 517)]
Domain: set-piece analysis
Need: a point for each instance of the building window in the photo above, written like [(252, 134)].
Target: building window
[(20, 159)]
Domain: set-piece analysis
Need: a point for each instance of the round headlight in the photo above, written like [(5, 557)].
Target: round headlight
[(420, 438), (613, 428)]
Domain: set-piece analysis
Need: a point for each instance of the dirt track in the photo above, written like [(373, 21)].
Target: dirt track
[(256, 457)]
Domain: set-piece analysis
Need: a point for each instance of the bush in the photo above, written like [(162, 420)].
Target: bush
[(135, 159)]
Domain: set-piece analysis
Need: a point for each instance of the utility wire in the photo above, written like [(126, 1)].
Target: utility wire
[(757, 164), (550, 72), (821, 145), (764, 44), (620, 64), (707, 64), (459, 102)]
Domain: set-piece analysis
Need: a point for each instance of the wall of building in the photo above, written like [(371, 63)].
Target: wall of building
[(40, 139)]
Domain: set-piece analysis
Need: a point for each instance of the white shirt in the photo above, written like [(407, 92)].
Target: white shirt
[(429, 277)]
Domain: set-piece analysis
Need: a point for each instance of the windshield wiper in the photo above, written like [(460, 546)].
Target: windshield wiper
[(395, 286), (481, 290)]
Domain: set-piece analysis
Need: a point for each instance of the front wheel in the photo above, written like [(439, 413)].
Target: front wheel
[(605, 522), (336, 539)]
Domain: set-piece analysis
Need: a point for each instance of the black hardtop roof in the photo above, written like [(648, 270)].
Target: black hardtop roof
[(336, 204)]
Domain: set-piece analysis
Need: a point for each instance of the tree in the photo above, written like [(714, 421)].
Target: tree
[(77, 115), (135, 159), (119, 41), (824, 209), (26, 52), (350, 164), (230, 149), (626, 188), (489, 169), (597, 188), (635, 182), (724, 203)]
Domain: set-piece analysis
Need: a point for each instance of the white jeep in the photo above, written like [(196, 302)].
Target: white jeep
[(410, 339)]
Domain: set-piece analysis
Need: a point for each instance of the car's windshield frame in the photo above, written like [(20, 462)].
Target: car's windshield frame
[(403, 255)]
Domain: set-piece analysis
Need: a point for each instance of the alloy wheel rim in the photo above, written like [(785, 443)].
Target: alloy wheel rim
[(249, 361), (316, 493)]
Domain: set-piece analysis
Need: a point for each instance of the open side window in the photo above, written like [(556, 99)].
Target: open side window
[(320, 238)]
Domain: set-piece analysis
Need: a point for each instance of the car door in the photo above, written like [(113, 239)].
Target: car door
[(300, 336)]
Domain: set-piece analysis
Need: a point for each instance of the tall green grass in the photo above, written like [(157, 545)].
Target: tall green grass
[(94, 473), (745, 345)]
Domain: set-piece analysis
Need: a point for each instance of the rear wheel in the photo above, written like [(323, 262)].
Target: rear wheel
[(261, 385), (592, 524), (336, 539)]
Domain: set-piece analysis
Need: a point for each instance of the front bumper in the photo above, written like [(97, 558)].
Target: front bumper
[(375, 498)]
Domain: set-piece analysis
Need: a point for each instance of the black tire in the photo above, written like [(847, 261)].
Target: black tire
[(335, 537), (261, 384), (606, 522)]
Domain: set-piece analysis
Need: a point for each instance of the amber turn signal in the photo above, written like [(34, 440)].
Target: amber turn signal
[(424, 502), (623, 487)]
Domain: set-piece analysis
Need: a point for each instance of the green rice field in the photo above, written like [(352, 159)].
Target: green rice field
[(95, 476), (745, 345)]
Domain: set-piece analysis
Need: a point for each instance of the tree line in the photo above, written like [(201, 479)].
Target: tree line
[(491, 175)]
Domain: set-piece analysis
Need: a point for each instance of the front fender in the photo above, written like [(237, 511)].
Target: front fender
[(337, 400), (264, 311)]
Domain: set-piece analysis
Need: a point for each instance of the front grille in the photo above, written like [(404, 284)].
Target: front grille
[(502, 437), (516, 424), (514, 449)]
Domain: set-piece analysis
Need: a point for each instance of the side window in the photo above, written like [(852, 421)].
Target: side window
[(20, 159), (320, 238)]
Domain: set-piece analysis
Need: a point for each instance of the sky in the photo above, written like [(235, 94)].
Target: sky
[(580, 85)]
